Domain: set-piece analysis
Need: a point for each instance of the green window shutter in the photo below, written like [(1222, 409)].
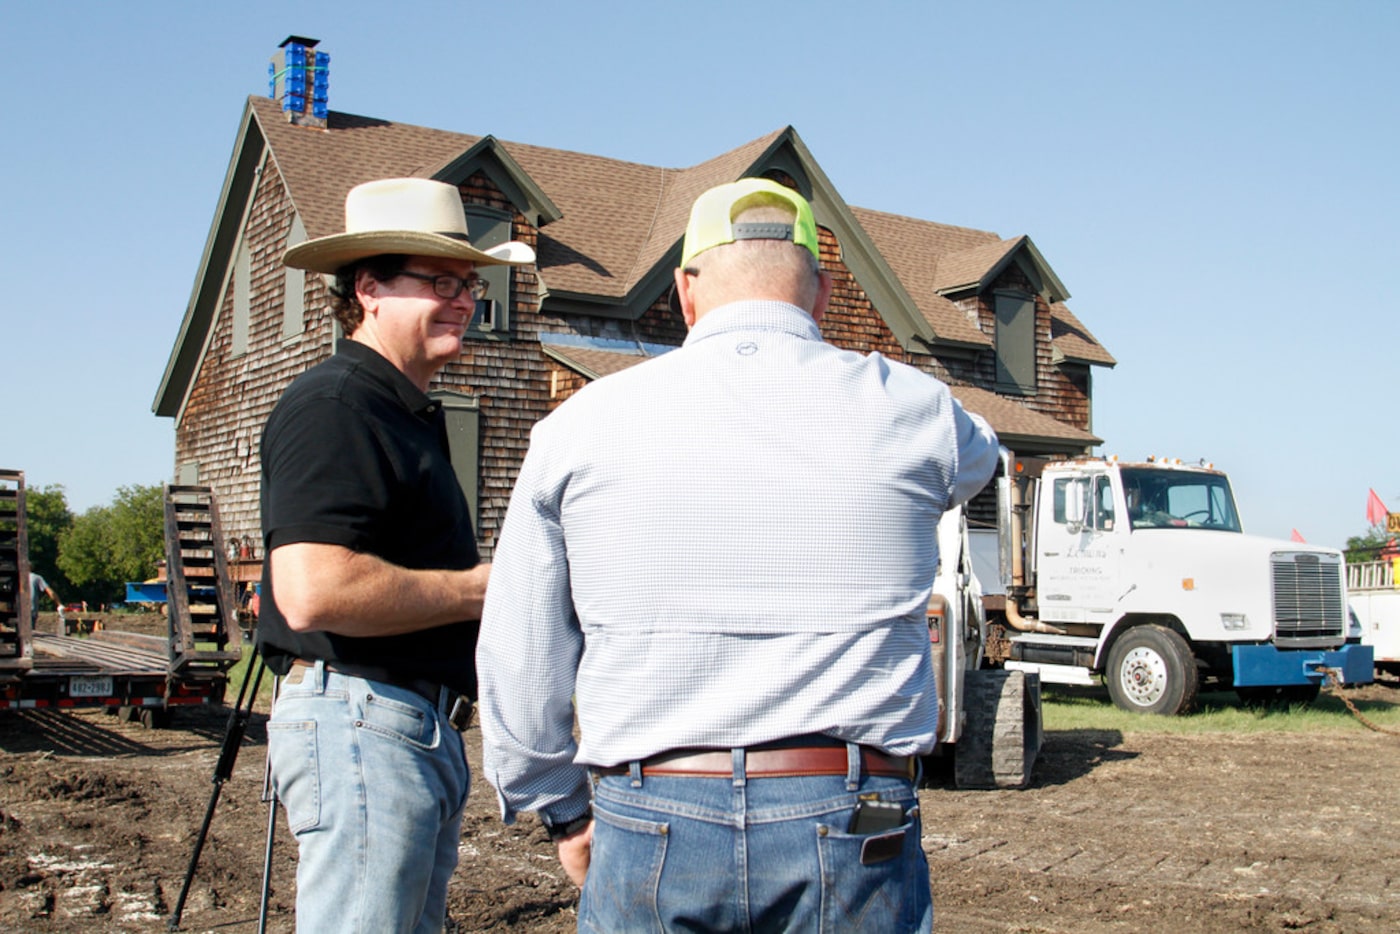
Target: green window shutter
[(488, 227), (1015, 342), (463, 414)]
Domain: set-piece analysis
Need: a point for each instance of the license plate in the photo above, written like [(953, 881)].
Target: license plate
[(90, 686)]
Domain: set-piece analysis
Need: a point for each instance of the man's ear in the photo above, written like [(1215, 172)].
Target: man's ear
[(824, 286), (684, 297), (366, 289)]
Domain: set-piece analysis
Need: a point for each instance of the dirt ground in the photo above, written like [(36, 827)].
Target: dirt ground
[(1119, 832)]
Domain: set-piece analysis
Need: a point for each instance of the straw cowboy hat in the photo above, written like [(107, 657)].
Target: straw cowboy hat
[(413, 216)]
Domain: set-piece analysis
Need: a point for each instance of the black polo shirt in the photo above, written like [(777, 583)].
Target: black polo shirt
[(356, 455)]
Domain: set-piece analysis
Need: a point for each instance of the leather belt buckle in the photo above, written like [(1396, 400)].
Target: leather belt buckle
[(460, 716)]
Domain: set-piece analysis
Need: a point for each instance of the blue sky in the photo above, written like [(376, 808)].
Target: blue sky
[(1213, 180)]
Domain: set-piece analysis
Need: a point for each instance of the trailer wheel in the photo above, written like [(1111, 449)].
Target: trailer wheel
[(1002, 733), (155, 718), (1151, 670)]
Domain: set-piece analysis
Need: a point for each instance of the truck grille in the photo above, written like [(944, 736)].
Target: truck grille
[(1309, 609)]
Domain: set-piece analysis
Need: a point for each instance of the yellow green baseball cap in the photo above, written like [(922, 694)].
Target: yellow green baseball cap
[(711, 219)]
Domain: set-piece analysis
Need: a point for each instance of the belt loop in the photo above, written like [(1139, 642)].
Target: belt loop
[(635, 770), (443, 703), (319, 673), (740, 774), (852, 766)]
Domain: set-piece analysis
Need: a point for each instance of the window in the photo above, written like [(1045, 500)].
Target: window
[(294, 291), (488, 227), (1179, 499), (1103, 504), (1015, 342), (242, 301), (463, 415), (1092, 498)]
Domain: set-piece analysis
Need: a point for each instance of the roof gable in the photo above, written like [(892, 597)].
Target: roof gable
[(609, 231)]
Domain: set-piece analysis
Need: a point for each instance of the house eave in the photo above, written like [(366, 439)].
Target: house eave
[(183, 363)]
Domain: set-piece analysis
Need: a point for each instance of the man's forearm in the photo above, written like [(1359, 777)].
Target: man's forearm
[(333, 589)]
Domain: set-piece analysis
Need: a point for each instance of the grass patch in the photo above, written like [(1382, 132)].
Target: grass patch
[(238, 672), (1076, 708)]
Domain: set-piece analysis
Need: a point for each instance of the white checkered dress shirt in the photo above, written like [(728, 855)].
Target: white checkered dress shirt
[(729, 544)]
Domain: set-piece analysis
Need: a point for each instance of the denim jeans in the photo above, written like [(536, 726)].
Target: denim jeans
[(374, 780), (762, 854)]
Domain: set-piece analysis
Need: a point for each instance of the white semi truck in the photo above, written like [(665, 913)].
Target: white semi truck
[(1140, 574)]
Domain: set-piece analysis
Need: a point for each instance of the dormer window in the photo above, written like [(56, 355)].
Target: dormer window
[(1015, 341), (489, 227)]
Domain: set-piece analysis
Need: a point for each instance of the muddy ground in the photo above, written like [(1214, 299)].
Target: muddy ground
[(1119, 832)]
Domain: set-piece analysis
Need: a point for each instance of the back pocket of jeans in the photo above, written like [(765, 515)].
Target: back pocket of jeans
[(296, 773), (868, 879), (633, 851)]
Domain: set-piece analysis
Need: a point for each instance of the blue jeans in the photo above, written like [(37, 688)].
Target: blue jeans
[(762, 854), (374, 780)]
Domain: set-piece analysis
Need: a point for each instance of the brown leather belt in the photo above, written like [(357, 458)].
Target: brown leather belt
[(458, 707), (790, 762)]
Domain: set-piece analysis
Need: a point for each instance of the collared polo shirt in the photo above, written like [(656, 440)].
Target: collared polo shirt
[(356, 455)]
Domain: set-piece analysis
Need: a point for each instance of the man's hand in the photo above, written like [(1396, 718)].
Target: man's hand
[(575, 853)]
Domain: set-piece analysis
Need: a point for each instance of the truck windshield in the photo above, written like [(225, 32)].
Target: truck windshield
[(1179, 499)]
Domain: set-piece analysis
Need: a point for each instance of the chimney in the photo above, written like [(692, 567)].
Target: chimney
[(299, 77)]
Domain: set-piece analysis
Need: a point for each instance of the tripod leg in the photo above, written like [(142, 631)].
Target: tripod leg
[(228, 754), (267, 863), (270, 796)]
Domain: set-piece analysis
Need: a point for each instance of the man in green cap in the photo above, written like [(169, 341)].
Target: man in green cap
[(720, 560)]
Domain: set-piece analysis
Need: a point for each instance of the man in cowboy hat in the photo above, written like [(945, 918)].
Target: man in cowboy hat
[(373, 585), (721, 559)]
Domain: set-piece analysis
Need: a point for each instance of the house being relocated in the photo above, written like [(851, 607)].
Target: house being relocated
[(982, 313)]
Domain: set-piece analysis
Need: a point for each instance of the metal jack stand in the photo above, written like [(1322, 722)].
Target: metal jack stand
[(233, 739)]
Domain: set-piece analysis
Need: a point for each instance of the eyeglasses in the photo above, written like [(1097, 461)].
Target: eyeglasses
[(449, 287)]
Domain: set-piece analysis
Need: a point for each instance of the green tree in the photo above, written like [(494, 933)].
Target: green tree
[(109, 545), (47, 517), (138, 527), (1367, 547)]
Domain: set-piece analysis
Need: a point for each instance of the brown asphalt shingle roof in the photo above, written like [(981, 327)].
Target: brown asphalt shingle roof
[(619, 219), (592, 362), (1012, 420)]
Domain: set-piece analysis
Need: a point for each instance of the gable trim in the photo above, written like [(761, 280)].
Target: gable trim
[(493, 159), (196, 328)]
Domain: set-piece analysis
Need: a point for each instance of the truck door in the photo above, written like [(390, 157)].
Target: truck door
[(1077, 578)]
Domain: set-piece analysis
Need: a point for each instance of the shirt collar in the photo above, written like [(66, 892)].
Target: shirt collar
[(755, 315), (380, 369)]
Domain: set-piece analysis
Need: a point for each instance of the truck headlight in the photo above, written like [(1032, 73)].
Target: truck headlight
[(1234, 621)]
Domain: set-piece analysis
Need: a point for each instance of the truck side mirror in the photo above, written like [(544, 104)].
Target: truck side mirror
[(1075, 493)]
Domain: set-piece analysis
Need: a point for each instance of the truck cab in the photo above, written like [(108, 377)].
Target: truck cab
[(1141, 574)]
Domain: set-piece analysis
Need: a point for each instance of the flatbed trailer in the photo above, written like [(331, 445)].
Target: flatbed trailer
[(142, 676)]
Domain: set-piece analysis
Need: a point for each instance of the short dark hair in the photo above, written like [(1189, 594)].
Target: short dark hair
[(345, 307)]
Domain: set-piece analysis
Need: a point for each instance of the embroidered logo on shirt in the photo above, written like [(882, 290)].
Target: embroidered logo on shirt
[(747, 349)]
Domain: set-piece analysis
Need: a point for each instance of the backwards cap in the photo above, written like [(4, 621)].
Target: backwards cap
[(711, 219)]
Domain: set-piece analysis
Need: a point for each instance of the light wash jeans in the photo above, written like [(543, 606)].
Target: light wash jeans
[(756, 855), (374, 780)]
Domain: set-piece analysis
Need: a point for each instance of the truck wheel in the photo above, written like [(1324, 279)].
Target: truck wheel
[(1151, 670), (155, 718), (1002, 732)]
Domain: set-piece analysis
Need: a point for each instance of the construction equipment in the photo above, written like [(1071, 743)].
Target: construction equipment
[(140, 676)]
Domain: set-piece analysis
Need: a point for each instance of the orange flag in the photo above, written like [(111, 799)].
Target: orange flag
[(1375, 509)]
